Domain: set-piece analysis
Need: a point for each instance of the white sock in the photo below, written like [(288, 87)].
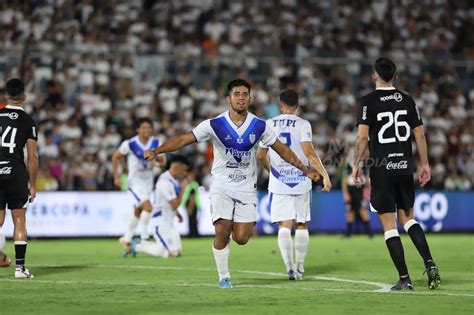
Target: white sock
[(2, 240), (286, 247), (132, 225), (151, 248), (221, 256), (145, 219), (301, 248)]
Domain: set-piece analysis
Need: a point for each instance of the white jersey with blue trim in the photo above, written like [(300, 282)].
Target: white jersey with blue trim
[(235, 148), (285, 179), (138, 167), (167, 188)]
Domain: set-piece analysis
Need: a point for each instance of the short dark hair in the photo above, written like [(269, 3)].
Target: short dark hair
[(385, 68), (140, 121), (15, 88), (289, 97), (178, 158), (235, 83)]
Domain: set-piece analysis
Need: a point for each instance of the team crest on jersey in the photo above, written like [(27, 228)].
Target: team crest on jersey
[(13, 116), (252, 138)]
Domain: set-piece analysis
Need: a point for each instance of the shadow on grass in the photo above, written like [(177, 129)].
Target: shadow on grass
[(46, 270)]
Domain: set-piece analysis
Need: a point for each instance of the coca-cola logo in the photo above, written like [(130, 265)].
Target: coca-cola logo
[(401, 165)]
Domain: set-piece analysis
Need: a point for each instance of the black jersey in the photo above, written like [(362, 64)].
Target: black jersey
[(16, 127), (390, 115)]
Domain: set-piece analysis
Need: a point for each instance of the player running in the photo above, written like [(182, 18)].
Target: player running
[(168, 194), (17, 180), (388, 117), (290, 189), (234, 135), (140, 177)]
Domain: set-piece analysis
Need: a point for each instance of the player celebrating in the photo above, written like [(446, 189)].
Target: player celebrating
[(169, 192), (353, 198), (388, 117), (234, 135), (290, 190), (18, 130), (140, 176)]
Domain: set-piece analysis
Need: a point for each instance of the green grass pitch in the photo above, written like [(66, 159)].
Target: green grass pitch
[(342, 277)]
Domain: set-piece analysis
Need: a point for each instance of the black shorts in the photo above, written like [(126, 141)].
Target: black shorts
[(391, 193), (356, 197), (14, 192)]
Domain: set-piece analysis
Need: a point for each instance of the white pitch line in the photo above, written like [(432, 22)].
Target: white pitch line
[(383, 287)]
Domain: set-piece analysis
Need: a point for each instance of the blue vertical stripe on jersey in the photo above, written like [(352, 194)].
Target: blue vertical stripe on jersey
[(161, 239)]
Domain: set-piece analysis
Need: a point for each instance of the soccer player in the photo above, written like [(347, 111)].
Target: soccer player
[(290, 189), (353, 198), (389, 117), (235, 135), (168, 194), (17, 180), (140, 177)]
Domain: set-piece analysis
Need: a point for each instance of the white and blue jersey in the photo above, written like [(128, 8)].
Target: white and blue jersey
[(234, 169), (167, 188), (285, 179), (140, 172)]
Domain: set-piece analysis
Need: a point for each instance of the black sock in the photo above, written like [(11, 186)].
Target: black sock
[(394, 245), (20, 251), (349, 229), (367, 228), (419, 240)]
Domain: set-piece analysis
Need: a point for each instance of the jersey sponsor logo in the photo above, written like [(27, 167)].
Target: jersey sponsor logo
[(238, 155), (397, 97), (364, 113), (289, 176), (7, 170), (12, 116), (237, 176), (401, 165), (243, 164), (396, 155)]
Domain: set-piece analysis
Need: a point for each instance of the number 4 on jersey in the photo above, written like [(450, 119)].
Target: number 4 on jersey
[(398, 124), (8, 144)]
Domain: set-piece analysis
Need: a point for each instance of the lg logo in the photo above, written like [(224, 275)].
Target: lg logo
[(430, 210)]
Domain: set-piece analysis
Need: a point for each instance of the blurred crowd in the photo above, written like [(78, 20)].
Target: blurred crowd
[(90, 72)]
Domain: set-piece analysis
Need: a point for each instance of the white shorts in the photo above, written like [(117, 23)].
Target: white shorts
[(168, 236), (225, 207), (290, 207), (140, 192)]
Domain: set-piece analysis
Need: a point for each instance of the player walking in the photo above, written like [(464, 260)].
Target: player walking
[(388, 117), (235, 135), (17, 180), (290, 189)]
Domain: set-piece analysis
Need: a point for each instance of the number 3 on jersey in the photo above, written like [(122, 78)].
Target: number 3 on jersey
[(8, 144), (285, 137), (398, 124)]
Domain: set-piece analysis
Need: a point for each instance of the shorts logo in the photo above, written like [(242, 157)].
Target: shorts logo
[(397, 97), (402, 165), (252, 138), (6, 170)]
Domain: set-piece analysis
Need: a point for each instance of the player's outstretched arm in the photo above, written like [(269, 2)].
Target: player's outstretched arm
[(316, 163), (263, 158), (424, 173), (32, 161), (172, 144), (362, 143), (290, 157)]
